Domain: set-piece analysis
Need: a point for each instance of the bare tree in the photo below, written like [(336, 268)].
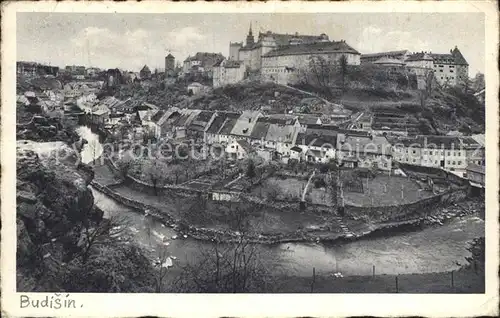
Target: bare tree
[(106, 232), (227, 268), (124, 166), (343, 68), (156, 172), (161, 269)]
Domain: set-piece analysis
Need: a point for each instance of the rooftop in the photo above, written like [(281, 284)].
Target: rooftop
[(313, 48), (476, 168), (219, 121), (388, 53), (245, 145), (389, 61)]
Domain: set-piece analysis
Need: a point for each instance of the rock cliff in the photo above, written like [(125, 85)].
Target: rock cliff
[(53, 204)]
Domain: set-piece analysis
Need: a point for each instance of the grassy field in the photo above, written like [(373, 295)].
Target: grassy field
[(320, 196), (464, 281), (286, 189), (386, 190)]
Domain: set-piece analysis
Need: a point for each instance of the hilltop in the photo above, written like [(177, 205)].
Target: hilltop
[(238, 97), (436, 109)]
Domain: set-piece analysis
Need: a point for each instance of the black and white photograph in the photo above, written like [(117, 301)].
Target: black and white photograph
[(249, 153)]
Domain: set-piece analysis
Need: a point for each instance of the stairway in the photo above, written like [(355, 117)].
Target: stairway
[(345, 230)]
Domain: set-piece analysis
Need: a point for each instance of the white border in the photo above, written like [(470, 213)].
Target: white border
[(276, 305)]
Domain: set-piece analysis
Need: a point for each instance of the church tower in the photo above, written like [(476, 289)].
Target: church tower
[(250, 39)]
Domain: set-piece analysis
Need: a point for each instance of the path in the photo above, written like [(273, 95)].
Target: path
[(355, 120), (314, 95), (307, 186)]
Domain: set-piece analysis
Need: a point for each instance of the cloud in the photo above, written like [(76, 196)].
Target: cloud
[(102, 46), (133, 48), (104, 41), (185, 36), (375, 39), (185, 41)]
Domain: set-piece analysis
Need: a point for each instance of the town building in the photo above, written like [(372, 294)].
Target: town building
[(400, 55), (286, 64), (390, 64), (92, 72), (166, 120), (75, 70), (244, 125), (449, 69), (145, 73), (201, 64), (114, 77), (476, 175), (169, 65), (100, 115), (239, 150), (196, 88), (228, 72), (452, 153), (279, 57), (314, 147), (215, 127), (32, 69), (364, 151)]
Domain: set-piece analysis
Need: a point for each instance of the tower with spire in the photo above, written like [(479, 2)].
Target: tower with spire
[(250, 39)]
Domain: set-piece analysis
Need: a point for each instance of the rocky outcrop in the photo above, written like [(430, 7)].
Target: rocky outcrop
[(53, 204), (41, 128)]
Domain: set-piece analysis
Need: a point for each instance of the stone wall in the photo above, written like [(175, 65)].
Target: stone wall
[(419, 209)]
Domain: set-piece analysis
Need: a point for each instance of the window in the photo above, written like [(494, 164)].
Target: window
[(454, 163), (413, 160), (449, 154), (448, 162), (459, 163), (451, 71), (431, 153), (441, 72)]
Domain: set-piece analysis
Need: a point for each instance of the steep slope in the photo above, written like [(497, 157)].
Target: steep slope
[(63, 241)]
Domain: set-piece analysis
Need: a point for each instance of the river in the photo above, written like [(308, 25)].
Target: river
[(433, 249), (93, 148)]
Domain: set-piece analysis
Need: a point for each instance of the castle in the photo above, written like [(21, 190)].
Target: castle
[(449, 69), (279, 57)]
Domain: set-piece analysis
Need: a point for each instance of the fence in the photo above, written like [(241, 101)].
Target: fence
[(456, 281)]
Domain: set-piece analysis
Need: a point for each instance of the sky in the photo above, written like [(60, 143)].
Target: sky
[(130, 41)]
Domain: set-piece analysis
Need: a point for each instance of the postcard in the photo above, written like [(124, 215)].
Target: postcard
[(249, 159)]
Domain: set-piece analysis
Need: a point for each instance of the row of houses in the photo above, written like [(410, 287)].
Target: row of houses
[(278, 136), (302, 137)]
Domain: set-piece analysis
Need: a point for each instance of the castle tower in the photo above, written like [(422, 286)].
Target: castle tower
[(169, 65), (250, 39), (234, 50)]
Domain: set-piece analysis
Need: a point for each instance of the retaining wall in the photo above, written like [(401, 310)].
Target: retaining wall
[(417, 209)]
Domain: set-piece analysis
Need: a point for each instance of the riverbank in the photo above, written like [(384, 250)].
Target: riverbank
[(431, 249), (440, 216)]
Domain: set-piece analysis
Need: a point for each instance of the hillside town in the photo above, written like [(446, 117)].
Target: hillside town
[(285, 139)]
